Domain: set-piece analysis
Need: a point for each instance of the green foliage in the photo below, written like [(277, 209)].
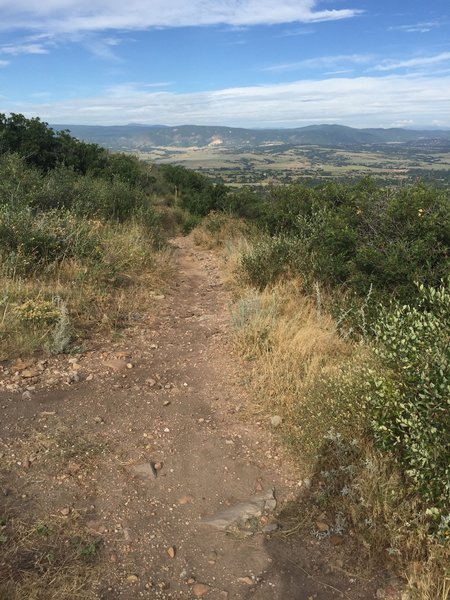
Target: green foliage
[(410, 395), (270, 259), (29, 241), (359, 237), (196, 193), (44, 148)]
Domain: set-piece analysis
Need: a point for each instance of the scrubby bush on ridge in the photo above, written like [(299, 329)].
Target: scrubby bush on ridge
[(409, 397), (358, 237)]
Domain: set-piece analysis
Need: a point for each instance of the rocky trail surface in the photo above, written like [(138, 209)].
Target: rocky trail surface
[(144, 445)]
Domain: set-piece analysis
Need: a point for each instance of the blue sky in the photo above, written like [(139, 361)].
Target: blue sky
[(247, 63)]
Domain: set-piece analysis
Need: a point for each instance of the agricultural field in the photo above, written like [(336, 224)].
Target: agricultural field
[(275, 163)]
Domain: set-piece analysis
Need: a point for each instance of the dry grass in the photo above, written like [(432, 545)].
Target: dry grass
[(308, 374), (51, 559), (86, 295), (218, 229), (296, 352)]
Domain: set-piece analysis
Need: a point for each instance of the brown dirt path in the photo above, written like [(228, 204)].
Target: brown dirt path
[(179, 406)]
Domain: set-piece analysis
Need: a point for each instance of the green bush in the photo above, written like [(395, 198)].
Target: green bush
[(29, 242), (410, 395), (195, 192), (19, 183), (360, 237), (269, 260)]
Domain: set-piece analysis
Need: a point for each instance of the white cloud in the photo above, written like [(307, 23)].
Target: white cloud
[(16, 49), (68, 16), (419, 61), (320, 62), (359, 102), (102, 48), (4, 63), (422, 27)]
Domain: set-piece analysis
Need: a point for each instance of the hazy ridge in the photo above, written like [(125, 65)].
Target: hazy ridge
[(136, 137)]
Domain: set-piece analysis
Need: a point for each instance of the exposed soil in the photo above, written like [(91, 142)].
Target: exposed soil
[(138, 455)]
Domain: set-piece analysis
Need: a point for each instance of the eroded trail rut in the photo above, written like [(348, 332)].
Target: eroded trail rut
[(173, 449)]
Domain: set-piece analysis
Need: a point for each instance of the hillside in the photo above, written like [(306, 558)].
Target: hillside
[(135, 137)]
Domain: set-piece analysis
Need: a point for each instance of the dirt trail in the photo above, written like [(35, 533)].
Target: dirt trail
[(162, 445)]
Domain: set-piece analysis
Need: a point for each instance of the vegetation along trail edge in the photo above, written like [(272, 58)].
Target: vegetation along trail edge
[(146, 478)]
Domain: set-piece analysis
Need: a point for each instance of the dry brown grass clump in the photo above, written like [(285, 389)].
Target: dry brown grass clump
[(297, 351)]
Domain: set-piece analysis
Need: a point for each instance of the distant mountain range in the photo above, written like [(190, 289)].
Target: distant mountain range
[(136, 137)]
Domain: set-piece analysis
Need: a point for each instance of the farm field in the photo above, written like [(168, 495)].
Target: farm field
[(287, 164)]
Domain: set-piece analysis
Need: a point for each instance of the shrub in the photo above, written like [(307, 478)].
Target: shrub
[(410, 395), (269, 260), (31, 242), (357, 236), (18, 182)]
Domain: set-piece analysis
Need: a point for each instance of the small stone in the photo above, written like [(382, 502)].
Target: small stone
[(150, 382), (185, 500), (90, 377), (247, 580), (19, 365), (158, 466), (166, 402), (144, 470), (224, 594), (190, 581), (29, 373), (276, 421), (129, 365), (115, 364), (73, 361), (98, 420), (270, 528), (171, 551), (322, 527), (26, 463), (26, 395), (307, 483), (212, 558), (200, 589), (132, 578), (65, 511)]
